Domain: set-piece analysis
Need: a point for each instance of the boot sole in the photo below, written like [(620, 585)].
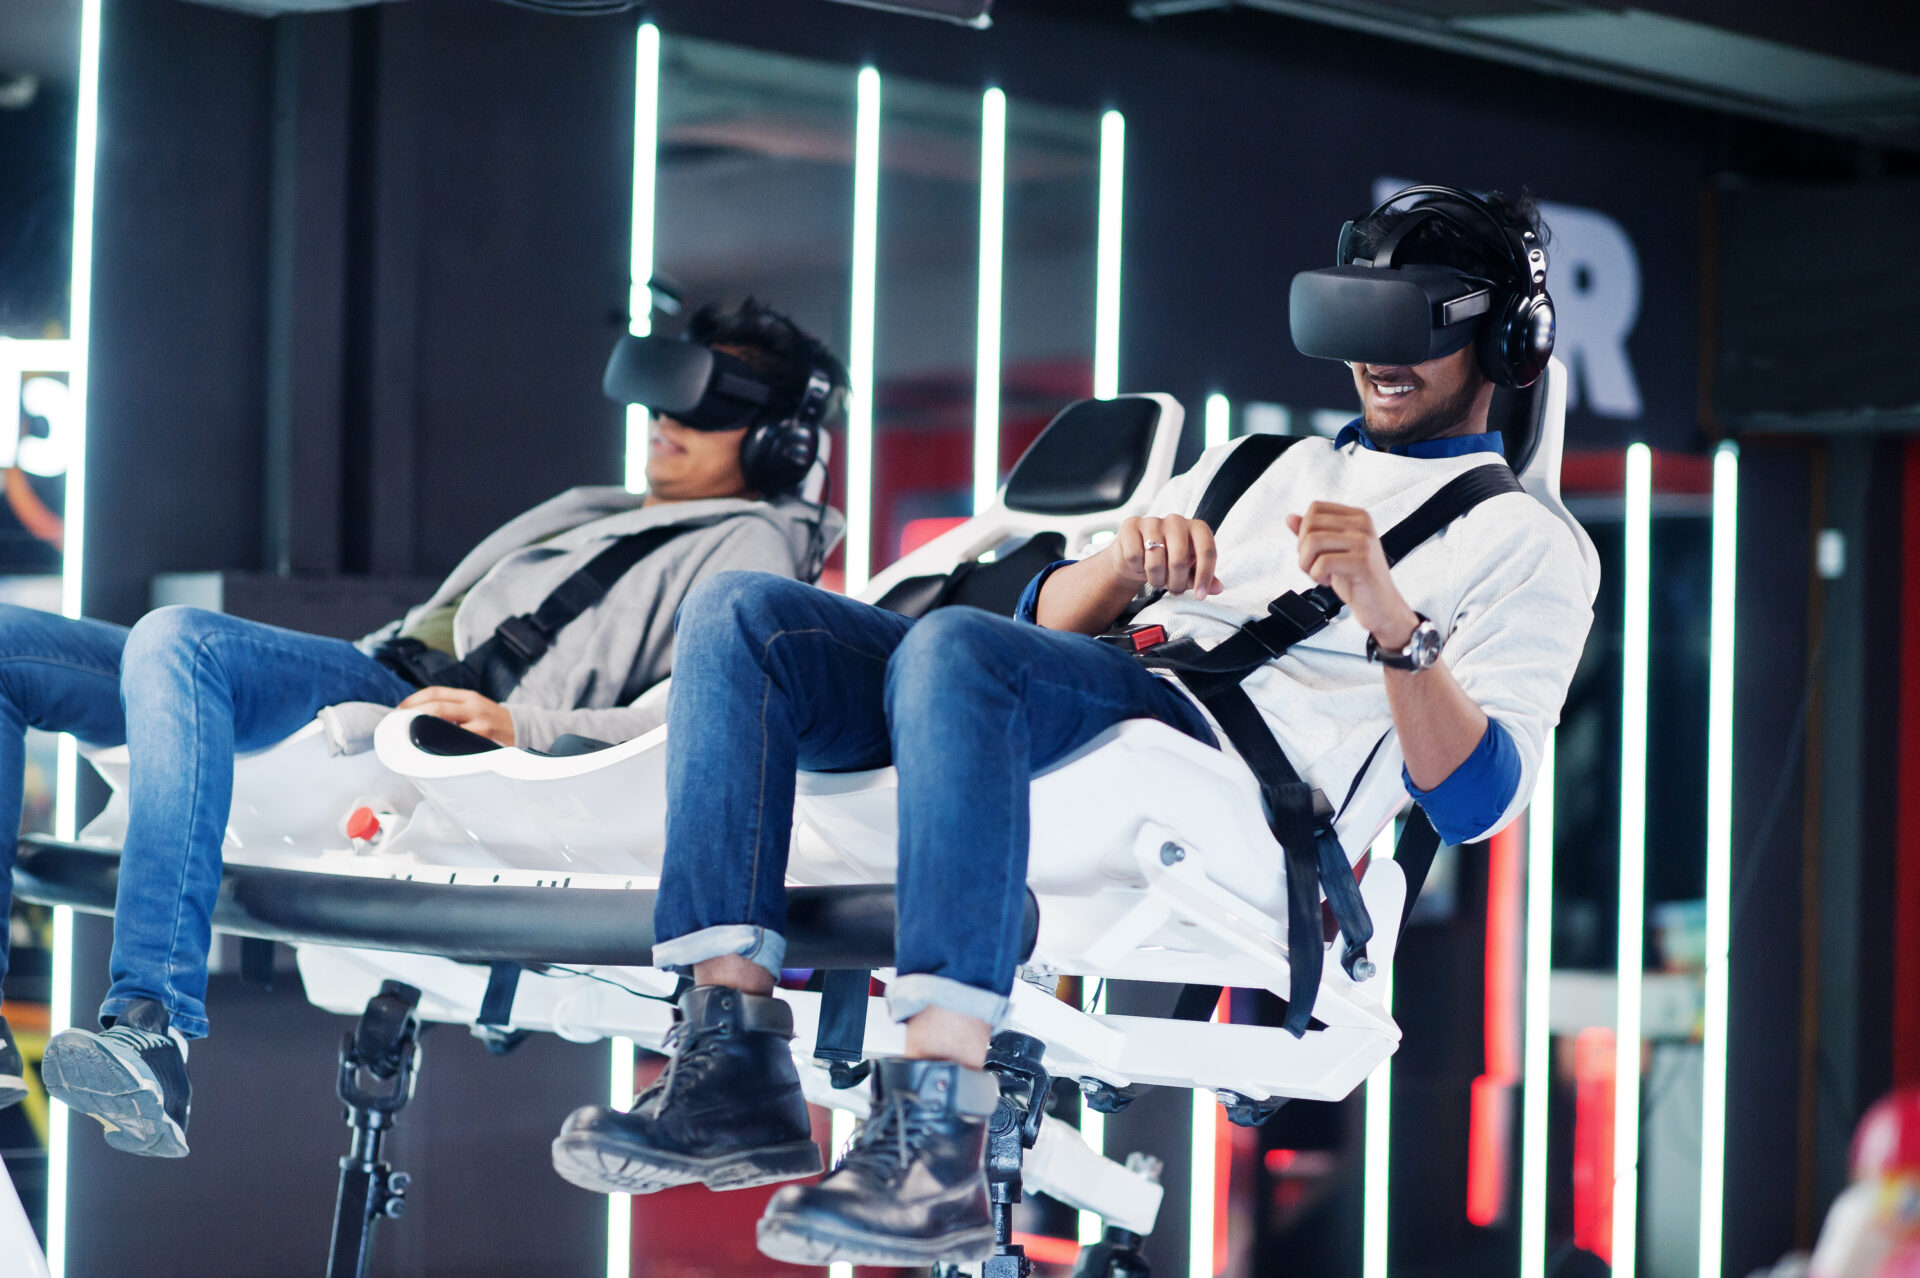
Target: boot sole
[(608, 1167), (798, 1241), (89, 1079)]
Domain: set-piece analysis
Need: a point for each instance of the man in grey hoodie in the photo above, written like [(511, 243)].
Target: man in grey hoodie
[(186, 688)]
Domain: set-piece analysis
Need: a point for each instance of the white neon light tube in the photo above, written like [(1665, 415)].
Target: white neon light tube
[(1536, 1065), (1375, 1214), (1201, 1211), (620, 1206), (646, 149), (993, 225), (1633, 854), (1106, 306), (866, 255), (842, 1136), (1219, 420), (1713, 1106), (72, 561)]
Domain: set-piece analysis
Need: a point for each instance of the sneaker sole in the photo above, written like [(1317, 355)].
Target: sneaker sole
[(801, 1242), (89, 1079), (608, 1167), (13, 1090)]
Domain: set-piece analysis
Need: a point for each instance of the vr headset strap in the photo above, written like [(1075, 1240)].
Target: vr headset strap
[(496, 666), (1299, 816)]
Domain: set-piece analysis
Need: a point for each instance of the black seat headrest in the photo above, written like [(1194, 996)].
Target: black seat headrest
[(1516, 413), (1090, 457)]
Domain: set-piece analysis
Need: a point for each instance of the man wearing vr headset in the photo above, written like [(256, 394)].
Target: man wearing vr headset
[(556, 624), (1456, 664)]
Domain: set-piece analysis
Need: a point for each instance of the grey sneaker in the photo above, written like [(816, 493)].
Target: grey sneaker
[(13, 1074), (131, 1078)]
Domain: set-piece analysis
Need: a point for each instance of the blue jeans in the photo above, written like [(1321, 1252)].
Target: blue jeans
[(771, 676), (183, 690)]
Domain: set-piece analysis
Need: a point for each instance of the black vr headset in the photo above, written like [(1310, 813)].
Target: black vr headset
[(1376, 311), (706, 389)]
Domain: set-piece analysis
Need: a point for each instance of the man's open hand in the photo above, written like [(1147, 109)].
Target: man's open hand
[(469, 710), (1168, 552), (1339, 548)]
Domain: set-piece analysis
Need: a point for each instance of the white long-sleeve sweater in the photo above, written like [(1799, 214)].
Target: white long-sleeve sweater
[(1505, 583)]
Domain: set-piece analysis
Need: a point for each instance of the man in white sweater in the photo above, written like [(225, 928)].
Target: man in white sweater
[(1461, 656)]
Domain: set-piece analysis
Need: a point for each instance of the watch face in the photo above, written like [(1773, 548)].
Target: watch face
[(1425, 646)]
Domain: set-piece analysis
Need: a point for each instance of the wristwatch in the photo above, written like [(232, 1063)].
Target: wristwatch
[(1422, 650)]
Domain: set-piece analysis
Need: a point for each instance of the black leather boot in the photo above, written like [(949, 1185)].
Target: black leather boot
[(911, 1191), (727, 1113)]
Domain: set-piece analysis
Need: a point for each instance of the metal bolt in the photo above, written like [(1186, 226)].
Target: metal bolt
[(1363, 969), (395, 1208), (1172, 854), (397, 1182)]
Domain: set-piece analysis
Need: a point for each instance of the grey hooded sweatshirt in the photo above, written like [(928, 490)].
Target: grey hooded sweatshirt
[(598, 667)]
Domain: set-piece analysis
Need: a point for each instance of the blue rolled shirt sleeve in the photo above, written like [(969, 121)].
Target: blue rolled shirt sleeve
[(1465, 806), (1030, 597)]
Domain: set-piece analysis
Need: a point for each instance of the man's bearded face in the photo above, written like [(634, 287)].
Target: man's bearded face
[(1404, 404)]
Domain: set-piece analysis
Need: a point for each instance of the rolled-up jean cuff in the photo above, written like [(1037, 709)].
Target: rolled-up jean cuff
[(761, 946), (908, 996)]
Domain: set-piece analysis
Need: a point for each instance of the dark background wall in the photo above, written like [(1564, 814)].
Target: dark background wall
[(356, 275)]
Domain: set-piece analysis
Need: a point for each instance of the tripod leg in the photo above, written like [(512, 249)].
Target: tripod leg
[(378, 1058)]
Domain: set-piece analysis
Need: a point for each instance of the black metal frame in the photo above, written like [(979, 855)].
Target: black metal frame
[(379, 1063)]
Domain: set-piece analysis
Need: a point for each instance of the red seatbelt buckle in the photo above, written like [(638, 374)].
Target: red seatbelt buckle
[(1147, 637)]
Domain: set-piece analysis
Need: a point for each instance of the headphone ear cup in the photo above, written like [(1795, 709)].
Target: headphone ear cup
[(776, 456), (1517, 340)]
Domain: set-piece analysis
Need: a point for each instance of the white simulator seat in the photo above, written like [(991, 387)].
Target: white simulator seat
[(1129, 883)]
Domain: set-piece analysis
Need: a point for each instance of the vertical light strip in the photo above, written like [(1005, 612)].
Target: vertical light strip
[(1536, 1065), (86, 146), (1106, 305), (1713, 1106), (1093, 1130), (1219, 420), (620, 1206), (1633, 854), (842, 1136), (646, 150), (993, 225), (1379, 1112), (1201, 1209), (866, 261)]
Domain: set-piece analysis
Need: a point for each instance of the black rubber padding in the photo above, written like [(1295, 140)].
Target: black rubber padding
[(831, 927)]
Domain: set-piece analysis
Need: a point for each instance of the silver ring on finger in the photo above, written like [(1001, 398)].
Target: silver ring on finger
[(1155, 545)]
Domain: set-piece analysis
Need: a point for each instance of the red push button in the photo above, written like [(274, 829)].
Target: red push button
[(362, 824), (1148, 637)]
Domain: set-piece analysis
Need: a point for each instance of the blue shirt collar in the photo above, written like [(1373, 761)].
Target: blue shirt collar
[(1452, 446)]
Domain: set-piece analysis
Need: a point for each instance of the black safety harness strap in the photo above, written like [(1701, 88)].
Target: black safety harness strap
[(1301, 818), (496, 666)]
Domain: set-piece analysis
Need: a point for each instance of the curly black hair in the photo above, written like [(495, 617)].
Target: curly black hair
[(776, 347), (1436, 242)]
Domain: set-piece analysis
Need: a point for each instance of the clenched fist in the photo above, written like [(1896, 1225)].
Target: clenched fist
[(1339, 548), (1167, 552)]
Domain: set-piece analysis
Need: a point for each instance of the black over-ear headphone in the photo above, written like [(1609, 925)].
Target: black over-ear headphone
[(1516, 337), (776, 454)]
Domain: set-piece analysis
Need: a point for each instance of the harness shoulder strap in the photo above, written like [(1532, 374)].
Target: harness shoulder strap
[(496, 666), (1453, 499), (1246, 463)]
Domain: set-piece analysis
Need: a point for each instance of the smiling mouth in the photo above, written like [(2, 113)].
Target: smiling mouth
[(661, 446), (1392, 390)]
